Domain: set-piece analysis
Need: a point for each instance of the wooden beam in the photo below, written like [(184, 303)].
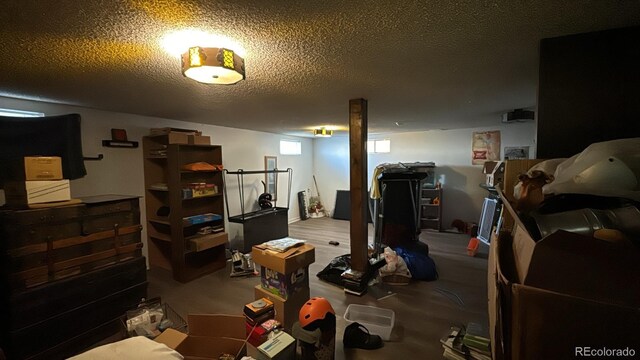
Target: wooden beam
[(358, 176)]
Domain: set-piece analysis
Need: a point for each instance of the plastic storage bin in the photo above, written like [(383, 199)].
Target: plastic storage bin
[(377, 320)]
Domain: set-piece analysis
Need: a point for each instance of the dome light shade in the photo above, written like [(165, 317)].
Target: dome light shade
[(322, 132), (213, 65)]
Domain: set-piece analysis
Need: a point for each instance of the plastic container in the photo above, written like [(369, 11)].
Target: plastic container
[(472, 248), (377, 320)]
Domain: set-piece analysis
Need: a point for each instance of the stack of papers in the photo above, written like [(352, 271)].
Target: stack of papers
[(282, 245)]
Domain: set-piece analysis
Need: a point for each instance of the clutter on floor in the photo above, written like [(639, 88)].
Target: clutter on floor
[(316, 329), (284, 276), (358, 336), (315, 206), (474, 245), (378, 321), (395, 272), (151, 318), (466, 343), (242, 264)]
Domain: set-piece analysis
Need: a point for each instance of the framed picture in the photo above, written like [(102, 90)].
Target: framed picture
[(485, 147), (271, 179), (516, 152)]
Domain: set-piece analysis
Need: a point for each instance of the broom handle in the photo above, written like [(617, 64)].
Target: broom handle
[(317, 189)]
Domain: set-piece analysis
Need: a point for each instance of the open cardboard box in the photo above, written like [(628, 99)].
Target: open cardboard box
[(210, 335), (565, 291), (284, 262)]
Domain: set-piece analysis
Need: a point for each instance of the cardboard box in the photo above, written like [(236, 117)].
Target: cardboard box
[(281, 347), (547, 298), (209, 336), (283, 285), (208, 241), (177, 137), (286, 262), (577, 265), (199, 140), (287, 311), (530, 322), (42, 168), (36, 192)]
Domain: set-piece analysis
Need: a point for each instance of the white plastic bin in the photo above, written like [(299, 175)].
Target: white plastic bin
[(377, 320)]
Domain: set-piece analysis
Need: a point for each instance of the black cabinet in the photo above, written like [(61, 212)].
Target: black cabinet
[(68, 275)]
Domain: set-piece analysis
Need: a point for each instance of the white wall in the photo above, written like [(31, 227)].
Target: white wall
[(121, 170), (449, 149)]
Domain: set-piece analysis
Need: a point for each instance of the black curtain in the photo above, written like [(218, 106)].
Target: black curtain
[(40, 136)]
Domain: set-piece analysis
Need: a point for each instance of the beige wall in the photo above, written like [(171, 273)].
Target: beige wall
[(121, 170)]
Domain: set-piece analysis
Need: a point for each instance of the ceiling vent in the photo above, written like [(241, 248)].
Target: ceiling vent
[(518, 115)]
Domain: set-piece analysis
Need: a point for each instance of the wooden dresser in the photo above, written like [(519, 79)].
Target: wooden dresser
[(68, 274)]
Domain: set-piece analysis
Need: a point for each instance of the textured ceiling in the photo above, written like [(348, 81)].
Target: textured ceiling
[(423, 64)]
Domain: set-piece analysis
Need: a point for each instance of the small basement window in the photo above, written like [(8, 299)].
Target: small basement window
[(379, 146), (290, 147)]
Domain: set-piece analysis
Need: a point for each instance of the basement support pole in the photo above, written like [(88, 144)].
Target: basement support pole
[(358, 182)]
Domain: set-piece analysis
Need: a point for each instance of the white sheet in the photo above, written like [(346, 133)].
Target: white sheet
[(135, 348)]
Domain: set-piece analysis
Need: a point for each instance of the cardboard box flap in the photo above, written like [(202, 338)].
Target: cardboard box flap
[(523, 247), (587, 267), (209, 348), (285, 262), (567, 322), (505, 262), (216, 325), (282, 255), (172, 338)]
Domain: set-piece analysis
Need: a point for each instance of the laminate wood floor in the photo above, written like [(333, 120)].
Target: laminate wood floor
[(424, 310)]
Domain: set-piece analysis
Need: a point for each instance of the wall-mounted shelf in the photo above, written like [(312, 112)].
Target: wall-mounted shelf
[(120, 144)]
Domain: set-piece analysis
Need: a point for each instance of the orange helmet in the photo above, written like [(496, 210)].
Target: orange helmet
[(316, 308)]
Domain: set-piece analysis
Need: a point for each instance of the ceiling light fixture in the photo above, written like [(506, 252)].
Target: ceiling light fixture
[(322, 132), (212, 65)]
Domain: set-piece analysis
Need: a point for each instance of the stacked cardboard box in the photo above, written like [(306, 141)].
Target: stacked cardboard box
[(561, 295), (43, 182), (285, 280)]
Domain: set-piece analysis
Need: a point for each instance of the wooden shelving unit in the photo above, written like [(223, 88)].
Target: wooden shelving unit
[(431, 209), (174, 244)]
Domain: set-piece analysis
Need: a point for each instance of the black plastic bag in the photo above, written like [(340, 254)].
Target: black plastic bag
[(332, 272)]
